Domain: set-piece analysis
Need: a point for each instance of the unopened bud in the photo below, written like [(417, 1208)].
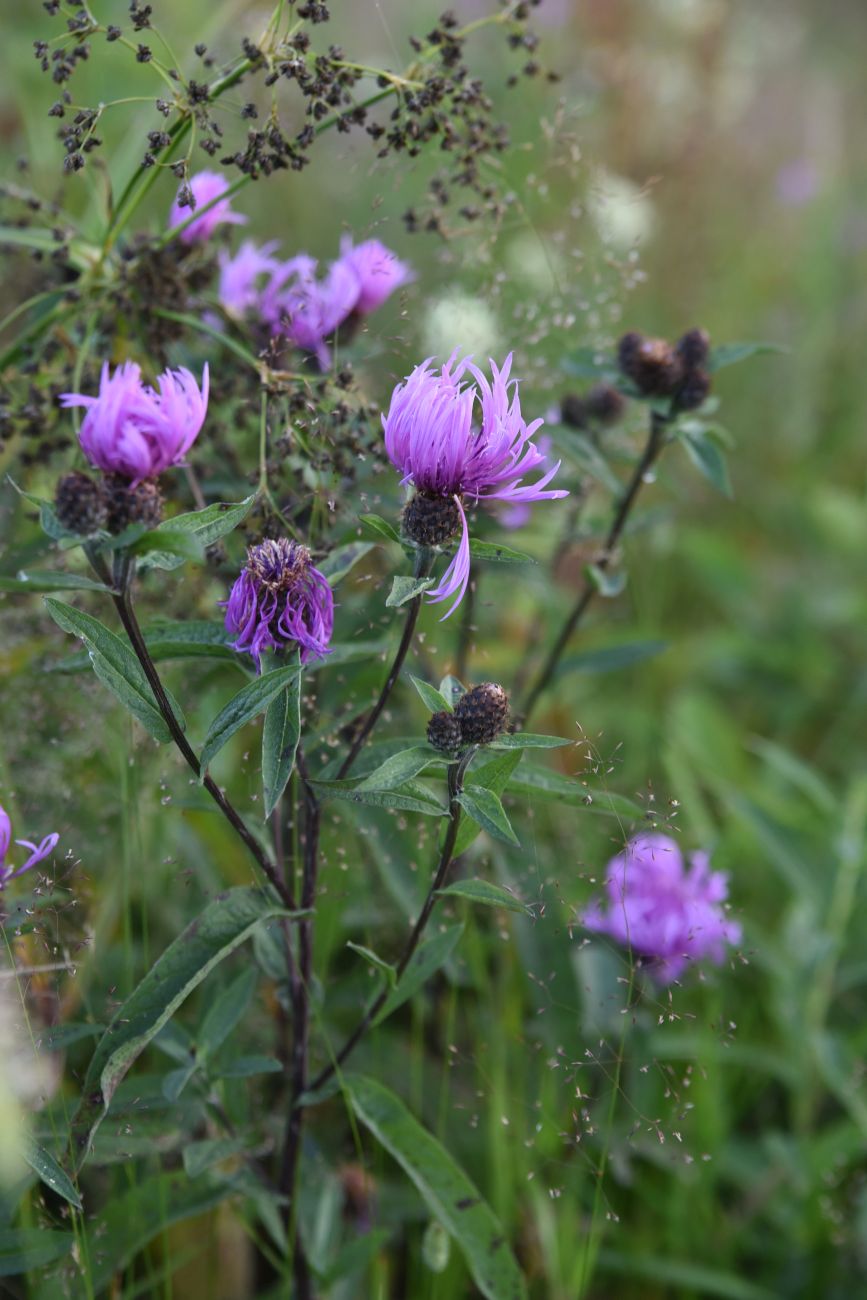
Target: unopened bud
[(444, 732), (483, 713), (80, 504)]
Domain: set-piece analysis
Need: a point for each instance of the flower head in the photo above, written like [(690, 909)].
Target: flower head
[(280, 599), (466, 441), (307, 310), (37, 852), (133, 430), (377, 269), (204, 187), (244, 276), (664, 911)]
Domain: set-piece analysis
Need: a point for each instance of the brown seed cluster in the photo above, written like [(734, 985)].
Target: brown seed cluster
[(480, 716), (85, 505), (658, 368)]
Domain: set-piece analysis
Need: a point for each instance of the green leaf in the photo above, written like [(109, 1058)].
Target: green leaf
[(162, 542), (23, 1249), (709, 458), (436, 1247), (244, 1067), (431, 698), (410, 798), (607, 584), (227, 1010), (404, 589), (729, 354), (485, 808), (44, 1165), (483, 891), (494, 775), (541, 782), (529, 740), (384, 967), (250, 701), (355, 1256), (399, 768), (280, 736), (380, 528), (223, 925), (199, 1156), (590, 363), (443, 1185), (203, 527), (503, 554), (116, 667), (342, 560), (425, 961), (45, 580), (612, 657), (451, 690)]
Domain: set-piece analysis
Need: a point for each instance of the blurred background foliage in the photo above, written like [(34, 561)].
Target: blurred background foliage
[(699, 162)]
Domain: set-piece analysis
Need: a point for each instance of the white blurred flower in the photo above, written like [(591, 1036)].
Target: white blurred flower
[(622, 211), (537, 264), (692, 17), (24, 1081), (460, 320)]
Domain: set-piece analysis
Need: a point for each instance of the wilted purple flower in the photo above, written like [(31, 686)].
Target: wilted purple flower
[(664, 912), (37, 852), (133, 430), (379, 272), (464, 442), (205, 186), (305, 309), (280, 599), (244, 276)]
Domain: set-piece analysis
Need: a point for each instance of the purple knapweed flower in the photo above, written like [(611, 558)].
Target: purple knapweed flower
[(464, 443), (666, 913), (307, 310), (205, 186), (280, 599), (378, 270), (37, 852), (133, 430), (243, 277)]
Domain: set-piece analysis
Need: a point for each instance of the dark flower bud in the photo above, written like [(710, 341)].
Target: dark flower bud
[(483, 713), (80, 504), (652, 364), (694, 390), (431, 520), (444, 732), (127, 505), (604, 404), (693, 348), (573, 411)]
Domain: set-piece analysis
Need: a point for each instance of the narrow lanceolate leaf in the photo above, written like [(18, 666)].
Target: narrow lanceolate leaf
[(399, 768), (48, 520), (23, 1249), (483, 891), (485, 808), (162, 542), (43, 1164), (116, 667), (380, 528), (707, 455), (404, 589), (212, 936), (202, 526), (607, 584), (250, 701), (225, 1012), (280, 737), (373, 959), (425, 962), (342, 560), (411, 797), (528, 740), (432, 699), (45, 580), (503, 554), (729, 354), (494, 775), (451, 689), (446, 1190)]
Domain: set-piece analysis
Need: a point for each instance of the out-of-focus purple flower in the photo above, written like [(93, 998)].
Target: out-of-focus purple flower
[(243, 277), (205, 186), (133, 430), (666, 913), (378, 270), (797, 183), (37, 852), (466, 442), (307, 310), (280, 599)]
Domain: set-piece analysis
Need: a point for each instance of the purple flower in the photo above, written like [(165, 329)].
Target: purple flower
[(244, 276), (280, 599), (664, 912), (205, 186), (131, 429), (378, 270), (306, 310), (467, 442), (37, 853), (518, 515)]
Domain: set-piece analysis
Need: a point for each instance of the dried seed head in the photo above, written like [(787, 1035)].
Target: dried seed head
[(693, 348), (444, 732), (483, 713), (80, 503), (431, 520), (694, 390), (127, 505), (652, 364), (604, 404)]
